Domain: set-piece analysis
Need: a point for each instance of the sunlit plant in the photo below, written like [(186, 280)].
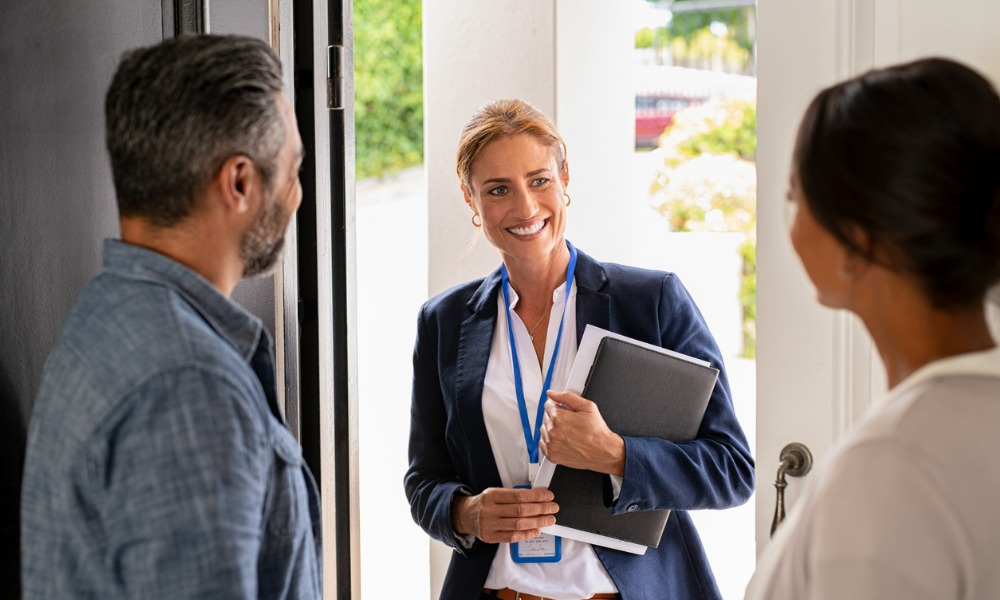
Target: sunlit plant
[(707, 181)]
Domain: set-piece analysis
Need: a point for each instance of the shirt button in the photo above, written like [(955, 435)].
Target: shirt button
[(632, 507)]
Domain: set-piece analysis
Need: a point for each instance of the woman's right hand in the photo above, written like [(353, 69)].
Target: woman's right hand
[(504, 514)]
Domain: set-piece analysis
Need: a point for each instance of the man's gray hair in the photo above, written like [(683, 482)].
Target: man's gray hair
[(176, 111)]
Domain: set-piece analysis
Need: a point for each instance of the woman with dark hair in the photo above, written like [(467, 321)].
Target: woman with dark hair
[(896, 189), (485, 355)]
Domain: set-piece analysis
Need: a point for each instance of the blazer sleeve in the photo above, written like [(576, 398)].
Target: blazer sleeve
[(431, 480), (716, 469)]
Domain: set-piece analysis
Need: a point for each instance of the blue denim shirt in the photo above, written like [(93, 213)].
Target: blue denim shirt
[(157, 464)]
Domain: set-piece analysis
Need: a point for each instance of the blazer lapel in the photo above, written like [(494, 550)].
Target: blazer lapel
[(593, 305), (474, 342)]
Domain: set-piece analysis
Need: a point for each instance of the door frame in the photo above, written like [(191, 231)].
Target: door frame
[(326, 299)]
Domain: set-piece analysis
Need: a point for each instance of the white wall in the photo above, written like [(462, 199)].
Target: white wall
[(474, 52), (595, 112)]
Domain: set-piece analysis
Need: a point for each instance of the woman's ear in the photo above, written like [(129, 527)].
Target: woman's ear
[(468, 196), (863, 252), (564, 174)]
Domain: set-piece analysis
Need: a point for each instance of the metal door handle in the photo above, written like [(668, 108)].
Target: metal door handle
[(796, 460)]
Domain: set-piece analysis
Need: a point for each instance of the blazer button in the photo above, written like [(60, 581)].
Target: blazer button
[(632, 507)]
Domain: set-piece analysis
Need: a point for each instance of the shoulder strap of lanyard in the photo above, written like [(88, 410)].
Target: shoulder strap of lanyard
[(531, 437)]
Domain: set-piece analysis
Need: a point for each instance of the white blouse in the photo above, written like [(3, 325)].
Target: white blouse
[(579, 574), (906, 506)]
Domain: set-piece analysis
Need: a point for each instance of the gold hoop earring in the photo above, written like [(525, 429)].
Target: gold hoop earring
[(476, 220), (568, 199)]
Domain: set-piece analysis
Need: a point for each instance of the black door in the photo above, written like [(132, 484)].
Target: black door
[(57, 199)]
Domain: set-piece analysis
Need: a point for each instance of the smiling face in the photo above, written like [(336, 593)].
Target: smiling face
[(518, 191)]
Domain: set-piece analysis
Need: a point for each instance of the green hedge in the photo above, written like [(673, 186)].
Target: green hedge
[(388, 86)]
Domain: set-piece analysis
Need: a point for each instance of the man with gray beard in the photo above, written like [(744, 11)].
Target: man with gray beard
[(157, 463)]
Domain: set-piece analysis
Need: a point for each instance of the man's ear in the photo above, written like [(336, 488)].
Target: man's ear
[(236, 181)]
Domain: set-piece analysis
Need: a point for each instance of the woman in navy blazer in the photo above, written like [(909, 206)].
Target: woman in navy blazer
[(514, 175)]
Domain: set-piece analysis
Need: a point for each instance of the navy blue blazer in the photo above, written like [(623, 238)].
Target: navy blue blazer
[(449, 449)]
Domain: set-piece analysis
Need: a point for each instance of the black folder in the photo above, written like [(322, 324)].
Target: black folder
[(641, 393)]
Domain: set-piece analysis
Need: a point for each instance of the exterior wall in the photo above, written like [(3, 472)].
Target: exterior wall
[(475, 52), (595, 112)]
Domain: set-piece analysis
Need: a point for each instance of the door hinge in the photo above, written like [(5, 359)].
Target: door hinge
[(335, 77)]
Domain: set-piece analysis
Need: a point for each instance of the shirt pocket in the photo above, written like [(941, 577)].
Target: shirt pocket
[(288, 514)]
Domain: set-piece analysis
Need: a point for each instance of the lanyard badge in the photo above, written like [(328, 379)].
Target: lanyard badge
[(545, 548)]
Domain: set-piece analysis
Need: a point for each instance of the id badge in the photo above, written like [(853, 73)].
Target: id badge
[(546, 548)]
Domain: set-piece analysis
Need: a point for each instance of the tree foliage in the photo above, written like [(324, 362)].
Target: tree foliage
[(689, 40), (735, 132), (686, 25), (388, 86)]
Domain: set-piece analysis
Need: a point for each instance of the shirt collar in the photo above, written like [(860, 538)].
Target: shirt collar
[(588, 279), (984, 362), (236, 325), (558, 295)]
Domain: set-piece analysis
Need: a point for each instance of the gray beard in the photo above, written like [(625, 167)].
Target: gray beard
[(261, 246)]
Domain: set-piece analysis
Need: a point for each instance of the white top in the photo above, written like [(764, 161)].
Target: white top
[(580, 574), (906, 506)]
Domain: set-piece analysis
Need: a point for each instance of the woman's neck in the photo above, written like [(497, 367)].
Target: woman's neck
[(915, 338), (535, 281)]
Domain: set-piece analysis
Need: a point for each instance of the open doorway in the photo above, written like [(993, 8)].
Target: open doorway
[(393, 246), (694, 188)]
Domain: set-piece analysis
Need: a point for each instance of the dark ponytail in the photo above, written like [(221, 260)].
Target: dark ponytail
[(910, 156)]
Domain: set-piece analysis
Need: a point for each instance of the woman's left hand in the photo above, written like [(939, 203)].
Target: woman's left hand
[(574, 434)]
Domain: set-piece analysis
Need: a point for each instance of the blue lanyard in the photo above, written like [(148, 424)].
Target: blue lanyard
[(531, 439)]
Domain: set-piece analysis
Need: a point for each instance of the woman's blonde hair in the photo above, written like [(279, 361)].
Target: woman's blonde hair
[(504, 118)]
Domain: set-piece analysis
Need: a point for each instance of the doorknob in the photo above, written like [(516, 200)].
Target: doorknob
[(796, 460)]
